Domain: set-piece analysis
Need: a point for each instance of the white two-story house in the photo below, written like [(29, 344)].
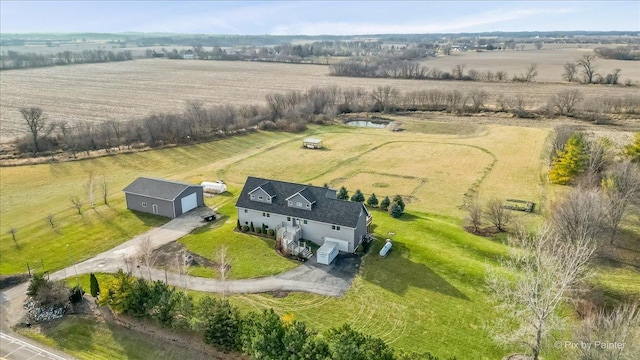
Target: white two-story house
[(313, 210)]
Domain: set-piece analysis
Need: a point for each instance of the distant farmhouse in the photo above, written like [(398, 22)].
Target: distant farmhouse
[(163, 197), (297, 211)]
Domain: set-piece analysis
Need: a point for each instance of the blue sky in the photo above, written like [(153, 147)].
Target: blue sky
[(316, 17)]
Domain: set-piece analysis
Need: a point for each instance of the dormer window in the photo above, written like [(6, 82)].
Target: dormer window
[(253, 197), (298, 204), (290, 203), (260, 198), (308, 206)]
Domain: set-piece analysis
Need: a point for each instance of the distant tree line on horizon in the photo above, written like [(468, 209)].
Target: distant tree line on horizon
[(22, 60)]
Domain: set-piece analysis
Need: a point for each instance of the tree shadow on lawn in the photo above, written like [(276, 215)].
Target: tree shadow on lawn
[(397, 273), (71, 332)]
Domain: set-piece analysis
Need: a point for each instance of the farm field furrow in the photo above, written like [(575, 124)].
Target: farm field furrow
[(127, 90)]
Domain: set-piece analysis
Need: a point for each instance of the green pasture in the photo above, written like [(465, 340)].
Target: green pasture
[(428, 294)]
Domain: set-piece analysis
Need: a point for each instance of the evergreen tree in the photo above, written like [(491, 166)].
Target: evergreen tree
[(94, 286), (262, 335), (357, 196), (372, 200), (384, 205), (570, 162), (238, 224), (251, 227), (219, 322), (343, 194), (395, 210), (348, 344), (398, 199)]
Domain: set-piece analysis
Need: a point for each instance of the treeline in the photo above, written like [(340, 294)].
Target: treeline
[(292, 111), (19, 60), (260, 335), (619, 53), (398, 67)]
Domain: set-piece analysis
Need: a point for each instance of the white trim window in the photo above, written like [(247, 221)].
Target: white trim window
[(144, 204)]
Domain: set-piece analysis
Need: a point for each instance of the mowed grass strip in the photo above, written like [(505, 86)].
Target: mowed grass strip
[(427, 295)]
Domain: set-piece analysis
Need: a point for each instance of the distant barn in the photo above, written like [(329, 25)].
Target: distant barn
[(312, 143)]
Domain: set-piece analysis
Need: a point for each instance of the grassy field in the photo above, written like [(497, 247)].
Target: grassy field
[(132, 89), (427, 295), (550, 60)]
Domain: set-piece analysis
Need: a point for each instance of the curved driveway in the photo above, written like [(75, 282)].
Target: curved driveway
[(332, 280)]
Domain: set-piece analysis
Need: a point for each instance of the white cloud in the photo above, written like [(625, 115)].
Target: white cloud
[(462, 24)]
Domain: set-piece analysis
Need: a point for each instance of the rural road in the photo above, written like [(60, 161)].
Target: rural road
[(12, 348)]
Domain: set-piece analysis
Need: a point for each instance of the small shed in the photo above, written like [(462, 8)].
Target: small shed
[(327, 252), (217, 187), (312, 143), (163, 197)]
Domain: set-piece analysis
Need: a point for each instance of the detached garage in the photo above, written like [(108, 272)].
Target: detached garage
[(327, 252), (163, 197)]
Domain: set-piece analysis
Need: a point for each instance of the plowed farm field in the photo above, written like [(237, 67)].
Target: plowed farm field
[(133, 89)]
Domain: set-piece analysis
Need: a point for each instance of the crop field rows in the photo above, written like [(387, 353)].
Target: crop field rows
[(133, 89)]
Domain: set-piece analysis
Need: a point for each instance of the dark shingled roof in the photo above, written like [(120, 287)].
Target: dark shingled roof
[(326, 210), (157, 188), (307, 194)]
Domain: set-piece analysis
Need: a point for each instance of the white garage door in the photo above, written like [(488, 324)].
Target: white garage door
[(189, 202)]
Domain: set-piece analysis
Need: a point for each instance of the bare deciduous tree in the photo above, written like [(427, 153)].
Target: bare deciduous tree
[(620, 325), (566, 102), (145, 254), (547, 269), (474, 217), (587, 62), (531, 73), (458, 71), (570, 71), (37, 123), (90, 193), (104, 186), (478, 98), (77, 204), (621, 186), (13, 231), (50, 220), (224, 265), (497, 214), (579, 216)]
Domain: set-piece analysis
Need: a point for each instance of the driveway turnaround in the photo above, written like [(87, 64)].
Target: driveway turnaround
[(331, 280)]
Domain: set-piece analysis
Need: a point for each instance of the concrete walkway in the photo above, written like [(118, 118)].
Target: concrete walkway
[(318, 279)]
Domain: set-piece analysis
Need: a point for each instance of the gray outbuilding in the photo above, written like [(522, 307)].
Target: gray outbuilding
[(163, 197)]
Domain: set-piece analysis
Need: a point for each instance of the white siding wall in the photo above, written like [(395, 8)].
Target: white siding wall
[(313, 230)]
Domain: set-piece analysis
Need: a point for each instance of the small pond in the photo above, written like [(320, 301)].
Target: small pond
[(367, 123)]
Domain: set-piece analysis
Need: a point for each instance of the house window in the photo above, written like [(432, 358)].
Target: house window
[(246, 223), (144, 204), (290, 203), (308, 206), (253, 197), (268, 198), (298, 204), (305, 222), (335, 227), (288, 218), (246, 211), (268, 215), (264, 214), (260, 198)]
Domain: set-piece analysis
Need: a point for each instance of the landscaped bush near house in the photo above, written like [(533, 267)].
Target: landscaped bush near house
[(270, 233), (245, 228)]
